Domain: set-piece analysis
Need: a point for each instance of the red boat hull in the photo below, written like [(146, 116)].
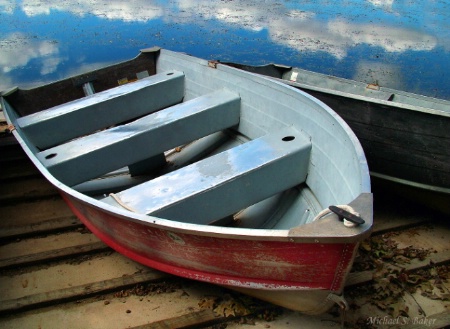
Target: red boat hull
[(241, 264)]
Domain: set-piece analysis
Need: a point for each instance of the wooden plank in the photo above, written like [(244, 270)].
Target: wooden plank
[(47, 248), (67, 273), (77, 292), (34, 212), (104, 109), (209, 316), (114, 311), (29, 189), (53, 254), (43, 227), (36, 216), (91, 156), (197, 318)]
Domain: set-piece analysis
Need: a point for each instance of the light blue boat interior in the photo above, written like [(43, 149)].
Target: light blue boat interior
[(205, 144)]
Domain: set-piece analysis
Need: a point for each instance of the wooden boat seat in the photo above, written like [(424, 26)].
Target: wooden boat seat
[(146, 138), (104, 109), (219, 186)]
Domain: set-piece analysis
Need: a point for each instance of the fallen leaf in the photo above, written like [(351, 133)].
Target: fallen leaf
[(207, 302), (398, 309)]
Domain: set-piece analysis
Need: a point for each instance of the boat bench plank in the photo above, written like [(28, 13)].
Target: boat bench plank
[(92, 156), (221, 185), (86, 115)]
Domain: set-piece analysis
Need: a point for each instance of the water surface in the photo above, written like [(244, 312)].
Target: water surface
[(398, 44)]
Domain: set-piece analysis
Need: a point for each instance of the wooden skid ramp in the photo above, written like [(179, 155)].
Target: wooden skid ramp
[(55, 273)]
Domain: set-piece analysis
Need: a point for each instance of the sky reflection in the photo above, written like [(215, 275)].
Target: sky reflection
[(400, 45)]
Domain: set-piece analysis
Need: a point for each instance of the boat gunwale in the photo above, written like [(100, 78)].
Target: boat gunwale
[(372, 99), (360, 84)]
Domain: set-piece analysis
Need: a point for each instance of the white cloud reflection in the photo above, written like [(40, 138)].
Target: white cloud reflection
[(386, 4), (244, 14), (308, 34), (130, 11), (392, 39), (16, 50), (7, 6), (304, 31)]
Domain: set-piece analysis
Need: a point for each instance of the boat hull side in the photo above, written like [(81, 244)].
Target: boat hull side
[(402, 143), (28, 101), (241, 264)]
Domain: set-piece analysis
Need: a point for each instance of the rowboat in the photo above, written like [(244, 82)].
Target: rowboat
[(206, 172), (405, 136)]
